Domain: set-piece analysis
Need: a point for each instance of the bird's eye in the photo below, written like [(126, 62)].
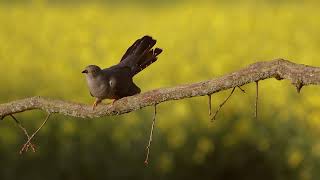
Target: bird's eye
[(110, 82)]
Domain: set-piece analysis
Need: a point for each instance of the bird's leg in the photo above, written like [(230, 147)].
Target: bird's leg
[(114, 101), (95, 104)]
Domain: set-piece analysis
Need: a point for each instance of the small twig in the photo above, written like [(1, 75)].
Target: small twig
[(241, 89), (151, 134), (220, 106), (210, 111), (256, 104), (24, 148), (25, 132)]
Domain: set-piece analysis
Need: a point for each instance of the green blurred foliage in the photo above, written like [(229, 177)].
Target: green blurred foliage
[(44, 46)]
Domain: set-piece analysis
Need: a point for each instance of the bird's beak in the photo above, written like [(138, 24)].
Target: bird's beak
[(85, 71)]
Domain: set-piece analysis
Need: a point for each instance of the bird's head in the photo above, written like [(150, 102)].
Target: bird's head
[(92, 70)]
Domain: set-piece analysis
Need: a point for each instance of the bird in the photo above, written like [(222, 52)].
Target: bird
[(116, 81)]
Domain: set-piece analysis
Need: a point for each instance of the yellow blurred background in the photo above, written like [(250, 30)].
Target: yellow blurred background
[(44, 46)]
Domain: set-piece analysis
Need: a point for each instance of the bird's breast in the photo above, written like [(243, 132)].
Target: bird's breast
[(98, 88)]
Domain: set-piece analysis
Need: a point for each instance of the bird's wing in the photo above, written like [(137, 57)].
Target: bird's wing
[(120, 82)]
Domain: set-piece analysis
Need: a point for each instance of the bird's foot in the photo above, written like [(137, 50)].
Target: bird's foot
[(114, 101), (95, 104)]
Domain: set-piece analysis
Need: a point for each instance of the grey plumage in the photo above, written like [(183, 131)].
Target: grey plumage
[(116, 81)]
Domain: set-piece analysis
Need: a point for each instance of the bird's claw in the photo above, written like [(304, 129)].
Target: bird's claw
[(114, 101), (95, 104)]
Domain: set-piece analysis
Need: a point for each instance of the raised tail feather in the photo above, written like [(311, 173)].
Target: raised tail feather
[(150, 58), (140, 55)]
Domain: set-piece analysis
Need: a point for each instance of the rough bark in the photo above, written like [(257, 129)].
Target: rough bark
[(299, 75)]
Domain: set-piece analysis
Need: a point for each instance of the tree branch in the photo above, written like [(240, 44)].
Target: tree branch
[(25, 146), (256, 103), (299, 75), (146, 161), (29, 144)]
